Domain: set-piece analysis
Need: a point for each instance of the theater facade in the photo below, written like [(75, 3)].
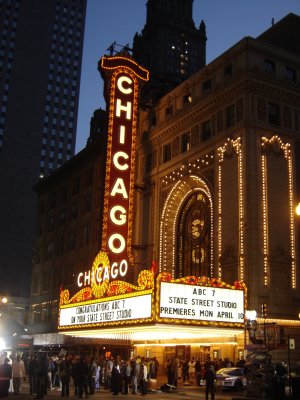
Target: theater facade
[(192, 216)]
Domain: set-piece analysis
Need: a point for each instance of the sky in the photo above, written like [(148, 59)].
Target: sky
[(227, 22)]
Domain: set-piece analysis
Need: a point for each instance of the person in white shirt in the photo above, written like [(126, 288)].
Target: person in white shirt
[(18, 373)]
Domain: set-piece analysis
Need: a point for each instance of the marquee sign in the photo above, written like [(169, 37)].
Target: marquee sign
[(113, 311), (200, 301)]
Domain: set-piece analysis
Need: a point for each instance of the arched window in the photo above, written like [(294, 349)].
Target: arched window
[(194, 237)]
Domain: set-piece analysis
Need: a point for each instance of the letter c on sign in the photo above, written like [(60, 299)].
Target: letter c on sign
[(120, 84), (117, 155)]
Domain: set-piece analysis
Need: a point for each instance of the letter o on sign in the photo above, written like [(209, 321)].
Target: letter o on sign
[(113, 240)]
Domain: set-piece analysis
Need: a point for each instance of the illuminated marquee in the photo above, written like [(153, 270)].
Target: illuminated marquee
[(200, 301), (109, 311)]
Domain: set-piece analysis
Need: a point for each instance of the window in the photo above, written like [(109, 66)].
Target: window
[(89, 177), (270, 66), (273, 113), (167, 152), (64, 193), (169, 111), (74, 210), (85, 234), (62, 216), (53, 200), (228, 70), (76, 185), (206, 130), (72, 241), (230, 116), (50, 250), (87, 203), (206, 86), (194, 237), (187, 98), (185, 142), (291, 74), (51, 223)]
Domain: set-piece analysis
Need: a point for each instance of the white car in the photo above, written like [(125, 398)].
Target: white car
[(231, 378)]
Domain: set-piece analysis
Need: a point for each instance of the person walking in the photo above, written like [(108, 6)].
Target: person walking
[(5, 377), (32, 370), (64, 371), (18, 373), (210, 377), (143, 378)]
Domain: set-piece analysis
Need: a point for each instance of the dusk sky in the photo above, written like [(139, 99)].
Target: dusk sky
[(227, 22)]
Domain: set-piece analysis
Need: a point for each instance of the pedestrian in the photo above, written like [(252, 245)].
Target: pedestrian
[(210, 377), (198, 371), (126, 375), (116, 378), (64, 372), (32, 370), (18, 373), (192, 370), (185, 370), (134, 376), (82, 373), (143, 378), (92, 374), (5, 377), (42, 376)]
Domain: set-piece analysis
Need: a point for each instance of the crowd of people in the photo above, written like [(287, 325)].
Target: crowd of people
[(82, 374), (193, 370)]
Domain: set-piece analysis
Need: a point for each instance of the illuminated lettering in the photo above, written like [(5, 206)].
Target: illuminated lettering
[(120, 218), (120, 154), (122, 134), (79, 282), (126, 108), (119, 188), (120, 86), (116, 237)]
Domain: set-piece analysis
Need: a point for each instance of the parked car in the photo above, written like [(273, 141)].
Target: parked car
[(231, 378)]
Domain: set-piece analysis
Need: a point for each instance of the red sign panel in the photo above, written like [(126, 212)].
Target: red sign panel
[(122, 75)]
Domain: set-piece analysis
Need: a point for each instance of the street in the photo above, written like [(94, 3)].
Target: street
[(183, 392)]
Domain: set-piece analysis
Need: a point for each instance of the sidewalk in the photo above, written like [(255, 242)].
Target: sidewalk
[(182, 392)]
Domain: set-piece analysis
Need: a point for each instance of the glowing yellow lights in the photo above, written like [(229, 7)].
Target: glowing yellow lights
[(232, 147), (193, 167), (157, 332), (298, 209), (180, 192), (276, 143)]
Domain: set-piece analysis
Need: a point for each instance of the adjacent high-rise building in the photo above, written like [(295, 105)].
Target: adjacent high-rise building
[(170, 45), (40, 68)]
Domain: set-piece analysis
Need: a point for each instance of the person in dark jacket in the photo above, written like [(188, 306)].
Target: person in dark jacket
[(210, 377), (64, 371), (81, 373), (42, 376), (5, 377), (116, 378), (32, 370)]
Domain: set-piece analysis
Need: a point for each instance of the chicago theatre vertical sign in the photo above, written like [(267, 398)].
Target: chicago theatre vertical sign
[(122, 75)]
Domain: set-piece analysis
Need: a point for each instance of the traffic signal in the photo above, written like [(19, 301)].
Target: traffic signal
[(264, 310)]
